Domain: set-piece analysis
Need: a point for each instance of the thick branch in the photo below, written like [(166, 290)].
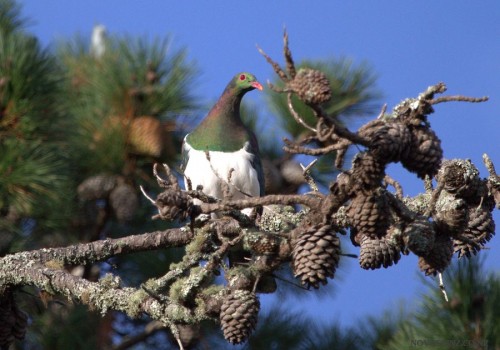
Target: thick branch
[(88, 253), (103, 295), (309, 201)]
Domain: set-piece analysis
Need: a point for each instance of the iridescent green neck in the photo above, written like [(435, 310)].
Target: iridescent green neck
[(222, 130)]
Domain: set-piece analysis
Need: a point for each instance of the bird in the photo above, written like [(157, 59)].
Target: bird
[(222, 142), (98, 41)]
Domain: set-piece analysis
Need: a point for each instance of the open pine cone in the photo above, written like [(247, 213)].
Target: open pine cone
[(316, 255), (311, 86), (238, 315), (425, 153)]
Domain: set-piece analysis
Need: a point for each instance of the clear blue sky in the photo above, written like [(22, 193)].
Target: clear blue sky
[(410, 44)]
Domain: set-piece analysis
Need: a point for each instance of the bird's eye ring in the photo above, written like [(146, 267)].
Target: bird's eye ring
[(242, 77)]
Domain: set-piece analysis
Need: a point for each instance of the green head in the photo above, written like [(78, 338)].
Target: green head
[(245, 82)]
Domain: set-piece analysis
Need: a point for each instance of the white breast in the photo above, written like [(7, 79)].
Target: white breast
[(211, 173)]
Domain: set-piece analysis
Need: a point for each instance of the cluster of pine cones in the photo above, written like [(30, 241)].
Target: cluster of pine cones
[(461, 221), (120, 195)]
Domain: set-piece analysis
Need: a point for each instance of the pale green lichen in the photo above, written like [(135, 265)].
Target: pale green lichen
[(133, 308), (199, 242), (110, 281), (278, 218), (419, 203)]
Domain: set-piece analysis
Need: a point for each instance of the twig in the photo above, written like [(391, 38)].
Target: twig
[(488, 163), (129, 341), (382, 111), (458, 98), (282, 199), (442, 287), (296, 116), (275, 65), (296, 149), (306, 171), (290, 282), (146, 195), (340, 156), (348, 255), (340, 130), (290, 66), (428, 94), (399, 190), (175, 333)]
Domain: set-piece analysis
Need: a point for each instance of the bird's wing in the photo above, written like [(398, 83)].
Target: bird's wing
[(253, 148), (185, 153)]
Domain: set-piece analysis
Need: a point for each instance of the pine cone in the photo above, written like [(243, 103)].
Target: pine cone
[(460, 177), (419, 236), (425, 153), (13, 321), (389, 140), (311, 86), (146, 136), (315, 255), (238, 315), (480, 229), (367, 172), (451, 214), (97, 187), (124, 202), (378, 252), (174, 204), (265, 243), (438, 258), (189, 334), (369, 215)]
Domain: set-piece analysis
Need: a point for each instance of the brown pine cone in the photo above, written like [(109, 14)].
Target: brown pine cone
[(460, 177), (311, 86), (124, 202), (146, 136), (315, 256), (389, 140), (425, 152), (13, 321), (367, 172), (480, 229), (97, 187), (378, 252), (419, 236), (451, 214), (264, 243), (438, 258), (238, 315), (174, 204), (369, 214)]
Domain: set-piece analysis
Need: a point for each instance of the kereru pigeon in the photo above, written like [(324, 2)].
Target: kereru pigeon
[(230, 145)]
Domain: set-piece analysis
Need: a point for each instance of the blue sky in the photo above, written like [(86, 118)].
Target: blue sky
[(410, 44)]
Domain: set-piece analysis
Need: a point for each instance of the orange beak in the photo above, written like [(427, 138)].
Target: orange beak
[(257, 85)]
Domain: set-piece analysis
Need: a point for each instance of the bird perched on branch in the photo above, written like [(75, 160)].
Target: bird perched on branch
[(222, 153)]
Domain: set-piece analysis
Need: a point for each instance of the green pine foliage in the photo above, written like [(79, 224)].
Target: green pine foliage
[(10, 16), (103, 96), (34, 176), (469, 320)]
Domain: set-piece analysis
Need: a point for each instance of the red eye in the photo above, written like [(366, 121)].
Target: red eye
[(243, 77)]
